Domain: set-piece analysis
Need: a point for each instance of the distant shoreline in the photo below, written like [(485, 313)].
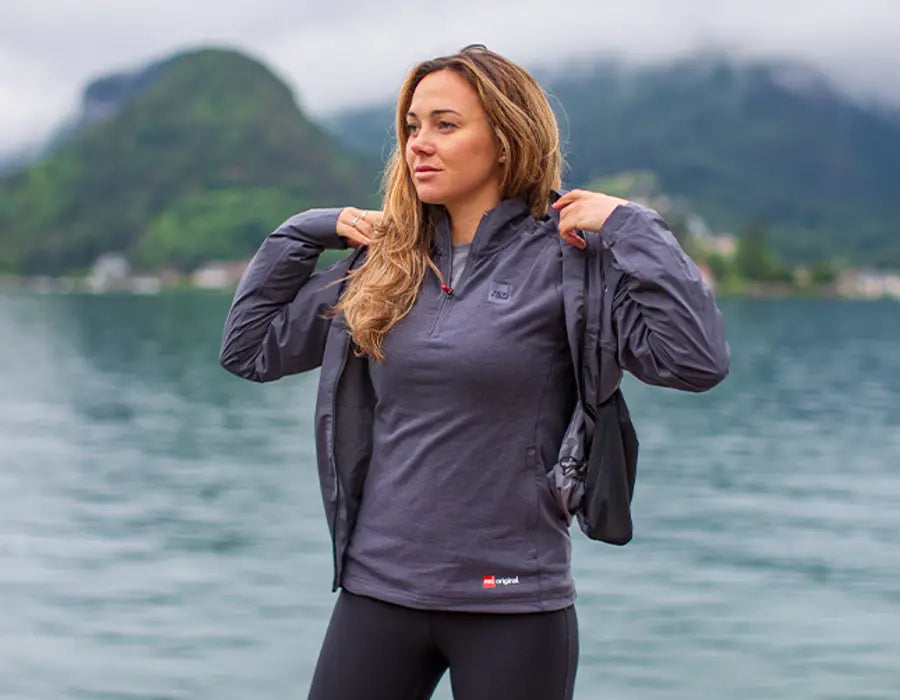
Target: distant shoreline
[(226, 283)]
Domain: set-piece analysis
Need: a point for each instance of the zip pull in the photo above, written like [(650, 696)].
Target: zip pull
[(447, 290)]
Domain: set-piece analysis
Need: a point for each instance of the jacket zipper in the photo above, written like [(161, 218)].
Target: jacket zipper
[(331, 461), (446, 293)]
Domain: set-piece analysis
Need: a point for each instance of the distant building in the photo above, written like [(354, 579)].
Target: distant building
[(869, 284), (724, 245), (109, 271), (145, 284), (218, 275)]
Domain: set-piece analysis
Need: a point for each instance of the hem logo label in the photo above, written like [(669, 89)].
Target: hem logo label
[(494, 581)]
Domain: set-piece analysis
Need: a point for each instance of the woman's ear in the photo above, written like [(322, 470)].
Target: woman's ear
[(502, 146)]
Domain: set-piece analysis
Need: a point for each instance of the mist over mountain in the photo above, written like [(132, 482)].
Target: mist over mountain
[(769, 143), (200, 155)]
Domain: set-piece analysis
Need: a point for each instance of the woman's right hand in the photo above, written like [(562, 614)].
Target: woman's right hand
[(357, 225)]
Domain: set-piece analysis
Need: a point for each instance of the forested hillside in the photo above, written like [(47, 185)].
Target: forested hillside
[(198, 163), (198, 156)]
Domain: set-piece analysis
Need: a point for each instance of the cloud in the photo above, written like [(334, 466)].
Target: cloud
[(349, 52)]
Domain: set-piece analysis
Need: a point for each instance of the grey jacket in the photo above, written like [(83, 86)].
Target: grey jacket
[(661, 324)]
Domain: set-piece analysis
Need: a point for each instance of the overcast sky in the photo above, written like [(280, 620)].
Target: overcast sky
[(344, 52)]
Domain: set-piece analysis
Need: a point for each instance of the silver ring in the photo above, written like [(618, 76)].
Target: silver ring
[(363, 215), (353, 222)]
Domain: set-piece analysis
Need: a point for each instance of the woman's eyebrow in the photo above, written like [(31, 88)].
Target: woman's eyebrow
[(434, 112)]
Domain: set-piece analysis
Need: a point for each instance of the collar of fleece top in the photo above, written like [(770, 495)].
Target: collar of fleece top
[(492, 231)]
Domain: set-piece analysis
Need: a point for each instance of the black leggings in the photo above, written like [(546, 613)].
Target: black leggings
[(375, 650)]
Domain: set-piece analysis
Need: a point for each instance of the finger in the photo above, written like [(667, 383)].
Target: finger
[(568, 198), (570, 218), (364, 220), (352, 218), (353, 215), (354, 238), (352, 233), (365, 228), (575, 240), (572, 235), (371, 224), (357, 235), (356, 216)]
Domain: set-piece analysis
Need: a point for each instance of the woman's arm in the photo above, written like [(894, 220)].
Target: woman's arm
[(668, 329), (278, 320)]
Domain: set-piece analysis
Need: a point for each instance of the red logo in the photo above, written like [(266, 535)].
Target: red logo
[(489, 582)]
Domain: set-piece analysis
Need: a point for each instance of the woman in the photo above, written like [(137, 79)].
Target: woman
[(447, 383)]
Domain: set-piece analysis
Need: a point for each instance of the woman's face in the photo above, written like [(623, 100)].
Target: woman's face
[(451, 152)]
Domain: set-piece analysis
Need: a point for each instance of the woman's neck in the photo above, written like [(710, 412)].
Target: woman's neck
[(465, 217), (463, 228)]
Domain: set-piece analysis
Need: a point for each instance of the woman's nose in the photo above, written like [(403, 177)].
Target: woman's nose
[(421, 145)]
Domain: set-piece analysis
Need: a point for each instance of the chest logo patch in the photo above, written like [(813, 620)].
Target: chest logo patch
[(499, 293)]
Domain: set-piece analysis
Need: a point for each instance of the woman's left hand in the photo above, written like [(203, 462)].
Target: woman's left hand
[(583, 210)]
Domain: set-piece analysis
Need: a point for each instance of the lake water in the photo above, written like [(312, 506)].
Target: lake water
[(162, 534)]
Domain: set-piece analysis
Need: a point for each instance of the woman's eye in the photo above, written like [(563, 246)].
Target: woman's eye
[(446, 126), (411, 128)]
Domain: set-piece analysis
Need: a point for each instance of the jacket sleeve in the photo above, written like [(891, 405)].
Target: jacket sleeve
[(278, 322), (668, 329)]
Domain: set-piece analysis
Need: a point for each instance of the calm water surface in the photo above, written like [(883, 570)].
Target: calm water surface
[(162, 534)]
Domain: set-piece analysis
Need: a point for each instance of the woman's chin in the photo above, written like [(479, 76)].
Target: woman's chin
[(428, 195)]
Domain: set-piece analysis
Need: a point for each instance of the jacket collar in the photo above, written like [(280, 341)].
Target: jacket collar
[(492, 232)]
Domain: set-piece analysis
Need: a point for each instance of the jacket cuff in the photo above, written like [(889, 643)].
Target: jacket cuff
[(317, 227), (612, 227)]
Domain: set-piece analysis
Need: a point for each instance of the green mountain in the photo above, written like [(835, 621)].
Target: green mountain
[(200, 155), (196, 158), (764, 144)]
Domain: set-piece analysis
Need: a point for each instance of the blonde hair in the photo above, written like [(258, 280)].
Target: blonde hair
[(383, 290)]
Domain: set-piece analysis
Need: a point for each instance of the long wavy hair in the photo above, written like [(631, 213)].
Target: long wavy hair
[(384, 288)]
